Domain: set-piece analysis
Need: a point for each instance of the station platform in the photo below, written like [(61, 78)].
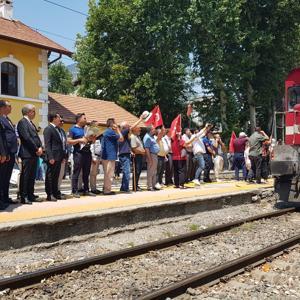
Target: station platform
[(52, 222), (39, 210)]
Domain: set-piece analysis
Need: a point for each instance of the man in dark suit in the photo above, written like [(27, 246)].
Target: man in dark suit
[(54, 148), (64, 162), (12, 147), (30, 150), (3, 159)]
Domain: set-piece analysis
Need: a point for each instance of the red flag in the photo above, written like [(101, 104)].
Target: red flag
[(175, 126), (189, 110), (154, 118), (233, 137)]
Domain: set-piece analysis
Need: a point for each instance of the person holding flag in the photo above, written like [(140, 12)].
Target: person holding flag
[(154, 118), (179, 146)]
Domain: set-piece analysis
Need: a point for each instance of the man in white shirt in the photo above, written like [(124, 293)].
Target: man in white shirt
[(161, 156), (189, 159), (169, 161), (198, 151), (96, 161)]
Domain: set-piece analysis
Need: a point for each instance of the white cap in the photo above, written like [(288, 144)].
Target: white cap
[(242, 134)]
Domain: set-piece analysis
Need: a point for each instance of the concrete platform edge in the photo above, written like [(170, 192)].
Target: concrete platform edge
[(47, 230)]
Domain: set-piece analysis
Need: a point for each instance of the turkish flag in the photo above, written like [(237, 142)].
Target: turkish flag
[(233, 137), (175, 126), (155, 118), (189, 110)]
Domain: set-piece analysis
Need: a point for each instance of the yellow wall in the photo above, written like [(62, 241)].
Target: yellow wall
[(29, 57), (16, 113)]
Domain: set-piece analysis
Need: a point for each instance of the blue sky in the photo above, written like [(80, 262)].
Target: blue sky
[(42, 15), (45, 16)]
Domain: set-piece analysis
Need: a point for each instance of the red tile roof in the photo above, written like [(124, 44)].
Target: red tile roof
[(99, 110), (16, 31)]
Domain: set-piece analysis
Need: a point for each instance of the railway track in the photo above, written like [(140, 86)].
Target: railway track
[(223, 271), (35, 277)]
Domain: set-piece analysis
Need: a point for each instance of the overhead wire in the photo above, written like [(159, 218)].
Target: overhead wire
[(66, 7), (52, 33)]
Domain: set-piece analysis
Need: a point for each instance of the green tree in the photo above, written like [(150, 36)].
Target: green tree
[(243, 51), (60, 79), (137, 53)]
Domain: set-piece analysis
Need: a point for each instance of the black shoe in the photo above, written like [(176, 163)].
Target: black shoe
[(207, 180), (109, 193), (3, 205), (138, 189), (36, 197), (9, 201), (75, 195), (26, 201), (89, 194), (51, 198), (96, 192), (61, 197)]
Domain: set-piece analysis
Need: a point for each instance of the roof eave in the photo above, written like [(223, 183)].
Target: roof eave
[(65, 52)]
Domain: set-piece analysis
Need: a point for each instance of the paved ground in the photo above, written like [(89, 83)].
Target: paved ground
[(88, 204)]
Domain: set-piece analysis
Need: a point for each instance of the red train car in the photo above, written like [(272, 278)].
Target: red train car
[(285, 163)]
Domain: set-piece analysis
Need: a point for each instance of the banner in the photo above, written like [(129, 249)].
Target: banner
[(175, 126), (155, 118), (233, 137)]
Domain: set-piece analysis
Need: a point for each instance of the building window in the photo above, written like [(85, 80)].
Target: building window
[(9, 79)]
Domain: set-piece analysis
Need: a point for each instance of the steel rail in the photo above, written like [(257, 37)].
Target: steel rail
[(34, 277), (217, 273)]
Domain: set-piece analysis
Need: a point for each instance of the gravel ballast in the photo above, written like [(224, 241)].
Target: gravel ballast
[(277, 280), (129, 278), (19, 261)]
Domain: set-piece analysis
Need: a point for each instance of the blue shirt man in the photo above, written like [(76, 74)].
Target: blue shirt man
[(111, 137), (150, 143), (76, 132), (110, 144)]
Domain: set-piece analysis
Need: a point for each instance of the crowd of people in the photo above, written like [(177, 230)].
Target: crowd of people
[(171, 158)]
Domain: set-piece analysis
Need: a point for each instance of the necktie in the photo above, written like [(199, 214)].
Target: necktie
[(32, 124), (10, 122), (62, 138)]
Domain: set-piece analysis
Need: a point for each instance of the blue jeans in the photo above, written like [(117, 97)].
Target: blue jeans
[(200, 165), (239, 164), (124, 160)]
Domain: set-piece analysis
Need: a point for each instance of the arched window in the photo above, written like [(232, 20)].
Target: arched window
[(9, 79)]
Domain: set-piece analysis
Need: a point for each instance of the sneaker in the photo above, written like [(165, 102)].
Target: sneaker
[(196, 181), (157, 186)]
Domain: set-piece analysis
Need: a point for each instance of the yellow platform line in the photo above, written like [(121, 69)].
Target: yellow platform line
[(72, 206)]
